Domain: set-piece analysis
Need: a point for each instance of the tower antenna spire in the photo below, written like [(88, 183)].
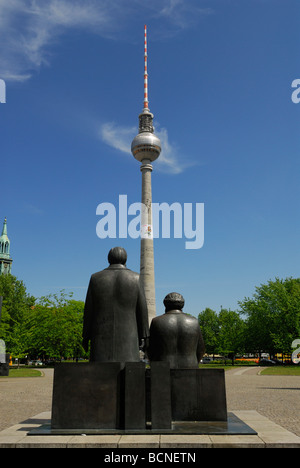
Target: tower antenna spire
[(146, 102)]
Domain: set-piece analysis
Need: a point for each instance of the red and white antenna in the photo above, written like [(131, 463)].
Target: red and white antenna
[(145, 71)]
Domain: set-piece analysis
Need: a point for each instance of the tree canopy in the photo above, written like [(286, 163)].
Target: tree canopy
[(16, 303), (53, 327), (49, 327), (223, 332), (272, 316), (268, 322)]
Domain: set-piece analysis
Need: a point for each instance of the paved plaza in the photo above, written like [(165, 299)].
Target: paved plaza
[(269, 404)]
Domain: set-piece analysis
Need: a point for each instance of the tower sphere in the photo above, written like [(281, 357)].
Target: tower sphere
[(146, 145)]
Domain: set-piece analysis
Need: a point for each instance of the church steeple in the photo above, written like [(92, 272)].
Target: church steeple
[(5, 260)]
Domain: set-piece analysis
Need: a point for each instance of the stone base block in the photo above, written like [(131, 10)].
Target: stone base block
[(87, 396), (127, 396), (198, 395)]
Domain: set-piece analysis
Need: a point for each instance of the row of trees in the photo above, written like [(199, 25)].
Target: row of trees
[(51, 327), (266, 323)]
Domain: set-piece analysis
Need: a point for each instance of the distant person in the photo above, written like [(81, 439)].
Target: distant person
[(115, 313), (176, 337)]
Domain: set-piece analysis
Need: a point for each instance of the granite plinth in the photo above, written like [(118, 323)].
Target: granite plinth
[(117, 396), (232, 426)]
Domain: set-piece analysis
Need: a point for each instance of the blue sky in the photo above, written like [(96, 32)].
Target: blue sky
[(220, 74)]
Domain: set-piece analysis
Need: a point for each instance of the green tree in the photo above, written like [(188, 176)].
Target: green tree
[(54, 327), (231, 334), (209, 324), (16, 303), (273, 316), (258, 324)]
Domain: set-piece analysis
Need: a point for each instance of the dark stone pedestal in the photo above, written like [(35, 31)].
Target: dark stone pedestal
[(87, 396), (134, 396), (126, 396), (110, 395), (118, 398), (198, 395), (159, 396)]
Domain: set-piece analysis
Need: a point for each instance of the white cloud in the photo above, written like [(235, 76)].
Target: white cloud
[(169, 158), (182, 13), (117, 137), (120, 138), (30, 27)]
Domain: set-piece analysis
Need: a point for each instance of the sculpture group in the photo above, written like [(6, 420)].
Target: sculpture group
[(116, 321), (116, 390)]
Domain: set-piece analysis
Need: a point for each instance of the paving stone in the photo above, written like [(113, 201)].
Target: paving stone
[(185, 441), (10, 440), (250, 415), (270, 435), (280, 440), (236, 441), (44, 442), (139, 441), (94, 441)]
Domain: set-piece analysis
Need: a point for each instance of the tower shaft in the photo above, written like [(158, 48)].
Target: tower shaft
[(147, 278)]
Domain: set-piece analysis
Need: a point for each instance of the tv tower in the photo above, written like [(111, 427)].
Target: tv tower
[(146, 147)]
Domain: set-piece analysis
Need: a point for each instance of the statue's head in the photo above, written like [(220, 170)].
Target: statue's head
[(117, 255), (173, 301)]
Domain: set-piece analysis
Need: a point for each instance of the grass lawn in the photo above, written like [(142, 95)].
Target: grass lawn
[(278, 370), (217, 366), (23, 372)]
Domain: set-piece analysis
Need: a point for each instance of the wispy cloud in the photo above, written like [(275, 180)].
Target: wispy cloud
[(117, 137), (29, 28), (32, 209), (120, 138), (182, 13)]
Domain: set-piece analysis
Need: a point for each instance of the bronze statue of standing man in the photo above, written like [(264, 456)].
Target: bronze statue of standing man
[(115, 313)]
